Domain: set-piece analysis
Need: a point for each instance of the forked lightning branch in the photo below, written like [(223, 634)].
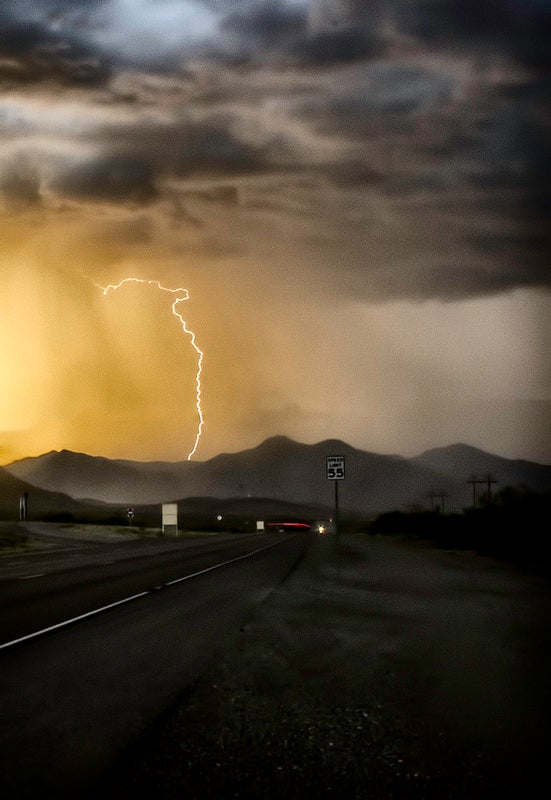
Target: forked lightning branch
[(180, 296)]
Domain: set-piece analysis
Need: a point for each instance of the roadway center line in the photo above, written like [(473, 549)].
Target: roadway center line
[(28, 577), (100, 610), (222, 564), (71, 621)]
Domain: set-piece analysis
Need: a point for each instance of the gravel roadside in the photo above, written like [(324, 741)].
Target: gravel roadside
[(374, 671)]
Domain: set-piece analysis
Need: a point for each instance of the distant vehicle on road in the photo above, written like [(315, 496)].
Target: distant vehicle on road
[(281, 527), (324, 526)]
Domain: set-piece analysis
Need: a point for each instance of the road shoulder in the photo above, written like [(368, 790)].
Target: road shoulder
[(337, 686)]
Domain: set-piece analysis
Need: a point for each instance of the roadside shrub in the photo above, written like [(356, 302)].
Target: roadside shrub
[(12, 536), (514, 527)]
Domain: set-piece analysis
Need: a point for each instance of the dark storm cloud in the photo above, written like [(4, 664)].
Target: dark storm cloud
[(385, 96), (334, 47), (457, 283), (114, 178), (145, 154), (430, 110), (189, 147), (270, 23), (274, 26), (515, 155), (519, 26), (353, 173), (211, 147), (31, 52), (321, 33), (69, 38), (506, 245)]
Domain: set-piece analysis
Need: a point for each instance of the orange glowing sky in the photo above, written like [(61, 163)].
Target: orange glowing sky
[(355, 204)]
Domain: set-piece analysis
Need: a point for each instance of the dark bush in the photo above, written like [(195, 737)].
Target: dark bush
[(59, 516), (513, 527)]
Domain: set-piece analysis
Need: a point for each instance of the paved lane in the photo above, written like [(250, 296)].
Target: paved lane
[(72, 701), (39, 590)]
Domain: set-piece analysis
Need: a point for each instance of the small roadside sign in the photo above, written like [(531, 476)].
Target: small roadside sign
[(335, 468), (170, 517)]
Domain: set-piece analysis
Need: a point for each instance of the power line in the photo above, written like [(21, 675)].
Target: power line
[(486, 480)]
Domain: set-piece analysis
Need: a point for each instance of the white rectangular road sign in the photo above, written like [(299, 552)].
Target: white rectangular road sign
[(170, 517), (335, 468)]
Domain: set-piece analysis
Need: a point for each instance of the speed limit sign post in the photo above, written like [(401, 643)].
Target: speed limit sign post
[(335, 468), (335, 473)]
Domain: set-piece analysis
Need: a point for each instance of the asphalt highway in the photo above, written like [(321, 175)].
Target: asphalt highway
[(74, 697), (49, 587)]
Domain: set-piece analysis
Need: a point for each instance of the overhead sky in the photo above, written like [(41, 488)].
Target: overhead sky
[(354, 193)]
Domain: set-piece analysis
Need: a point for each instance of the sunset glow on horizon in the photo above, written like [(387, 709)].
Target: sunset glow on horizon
[(354, 195)]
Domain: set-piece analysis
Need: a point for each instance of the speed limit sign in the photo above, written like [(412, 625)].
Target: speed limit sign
[(335, 468)]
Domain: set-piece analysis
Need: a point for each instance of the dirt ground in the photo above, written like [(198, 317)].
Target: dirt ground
[(377, 670)]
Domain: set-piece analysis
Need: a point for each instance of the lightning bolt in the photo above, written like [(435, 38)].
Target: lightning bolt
[(181, 295)]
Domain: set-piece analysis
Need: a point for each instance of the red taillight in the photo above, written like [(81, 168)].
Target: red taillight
[(288, 524)]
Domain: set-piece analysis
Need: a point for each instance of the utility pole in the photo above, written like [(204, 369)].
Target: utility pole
[(336, 507), (473, 480), (335, 473), (438, 496), (489, 480)]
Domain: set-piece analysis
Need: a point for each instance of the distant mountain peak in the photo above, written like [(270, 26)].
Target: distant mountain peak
[(277, 441), (281, 468), (456, 449)]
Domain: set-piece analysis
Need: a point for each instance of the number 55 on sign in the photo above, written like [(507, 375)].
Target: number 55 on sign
[(335, 468)]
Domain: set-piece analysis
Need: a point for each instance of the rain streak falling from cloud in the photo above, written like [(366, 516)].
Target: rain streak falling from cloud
[(356, 194)]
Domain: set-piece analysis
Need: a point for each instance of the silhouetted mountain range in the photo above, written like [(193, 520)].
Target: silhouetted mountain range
[(42, 503), (461, 459), (283, 470)]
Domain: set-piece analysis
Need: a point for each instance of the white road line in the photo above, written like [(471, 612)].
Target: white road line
[(28, 577), (71, 621), (223, 564)]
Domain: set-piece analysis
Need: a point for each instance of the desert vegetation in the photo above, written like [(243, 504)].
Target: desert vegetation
[(512, 526), (12, 536)]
